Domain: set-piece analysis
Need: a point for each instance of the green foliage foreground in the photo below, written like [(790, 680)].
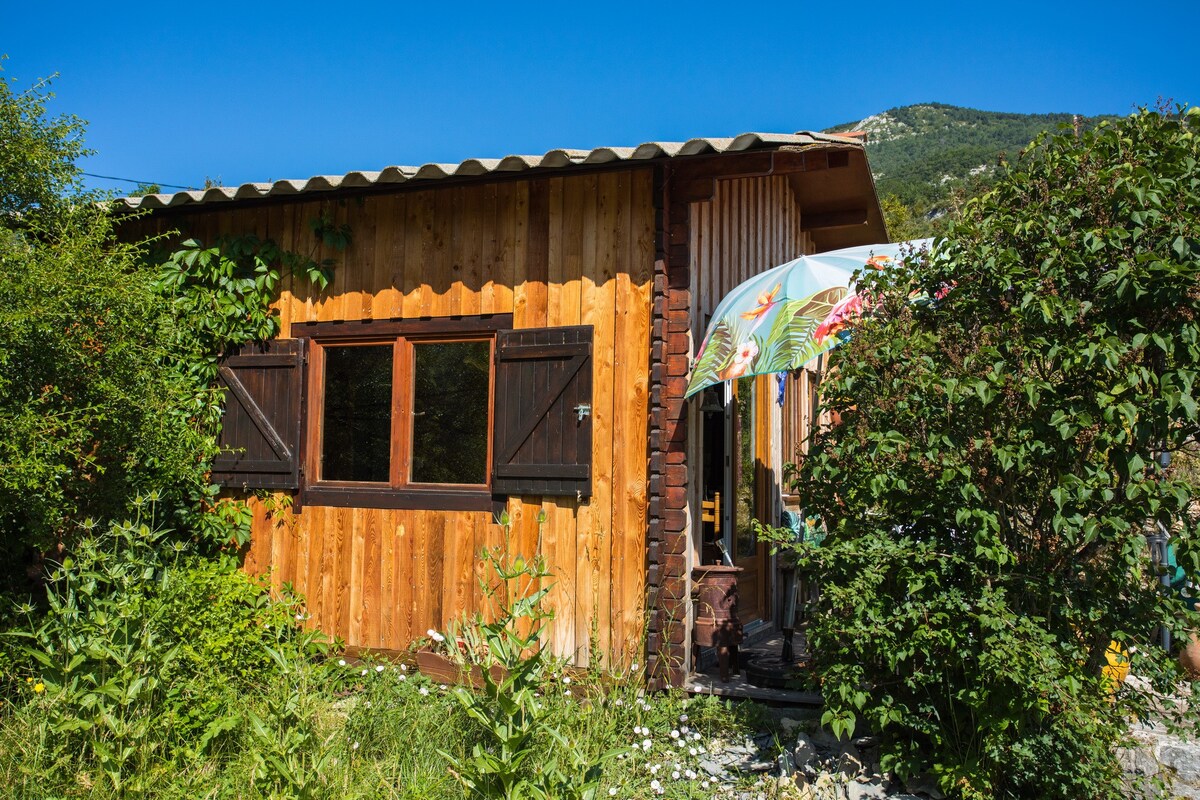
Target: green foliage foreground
[(994, 472), (157, 675)]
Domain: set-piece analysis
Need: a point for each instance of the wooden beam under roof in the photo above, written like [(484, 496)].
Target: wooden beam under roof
[(695, 180), (844, 218)]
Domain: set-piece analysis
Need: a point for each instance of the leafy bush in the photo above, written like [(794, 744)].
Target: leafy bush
[(990, 484), (224, 619), (144, 654), (88, 416), (503, 644)]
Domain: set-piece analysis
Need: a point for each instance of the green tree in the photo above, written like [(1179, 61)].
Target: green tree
[(37, 152), (89, 416), (97, 403), (902, 223), (988, 489)]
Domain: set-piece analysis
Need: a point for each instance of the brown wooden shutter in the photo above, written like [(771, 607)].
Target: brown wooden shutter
[(542, 443), (260, 427)]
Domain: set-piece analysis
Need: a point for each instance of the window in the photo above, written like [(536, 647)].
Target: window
[(400, 413), (437, 414)]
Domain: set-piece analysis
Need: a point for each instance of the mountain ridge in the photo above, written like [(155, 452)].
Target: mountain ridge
[(925, 154)]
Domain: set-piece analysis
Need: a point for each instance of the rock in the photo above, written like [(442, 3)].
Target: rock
[(786, 766), (788, 724), (865, 791), (824, 740), (1139, 761), (826, 788), (849, 766), (926, 785), (804, 754), (714, 769), (803, 790), (1184, 758)]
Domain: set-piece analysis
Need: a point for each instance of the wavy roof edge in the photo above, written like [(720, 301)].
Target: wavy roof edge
[(474, 167)]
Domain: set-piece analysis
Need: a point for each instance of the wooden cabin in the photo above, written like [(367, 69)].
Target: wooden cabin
[(515, 335)]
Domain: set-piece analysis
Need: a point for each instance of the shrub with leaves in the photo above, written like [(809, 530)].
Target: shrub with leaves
[(131, 651), (996, 467), (504, 645)]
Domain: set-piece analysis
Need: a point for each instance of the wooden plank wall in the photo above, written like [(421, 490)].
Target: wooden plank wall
[(750, 225), (555, 251)]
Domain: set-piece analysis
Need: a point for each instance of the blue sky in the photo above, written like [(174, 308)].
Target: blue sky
[(179, 92)]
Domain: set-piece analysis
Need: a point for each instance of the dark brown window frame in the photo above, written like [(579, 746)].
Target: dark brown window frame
[(399, 493)]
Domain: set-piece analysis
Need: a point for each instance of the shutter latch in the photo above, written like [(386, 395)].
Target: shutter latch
[(583, 409)]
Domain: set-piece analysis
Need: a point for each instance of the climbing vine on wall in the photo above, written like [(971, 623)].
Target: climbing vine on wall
[(221, 296)]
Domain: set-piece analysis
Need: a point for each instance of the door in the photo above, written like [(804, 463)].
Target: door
[(749, 425)]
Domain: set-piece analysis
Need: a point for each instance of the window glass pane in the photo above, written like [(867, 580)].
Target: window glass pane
[(357, 434), (450, 412)]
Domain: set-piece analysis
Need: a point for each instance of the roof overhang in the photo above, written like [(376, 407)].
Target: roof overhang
[(706, 154), (831, 182)]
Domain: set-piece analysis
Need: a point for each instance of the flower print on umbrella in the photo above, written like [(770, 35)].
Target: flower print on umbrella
[(766, 301), (743, 357), (840, 318), (879, 262)]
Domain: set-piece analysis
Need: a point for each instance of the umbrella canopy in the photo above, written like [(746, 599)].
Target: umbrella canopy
[(782, 318)]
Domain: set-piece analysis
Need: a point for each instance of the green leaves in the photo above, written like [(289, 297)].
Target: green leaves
[(503, 646), (995, 468)]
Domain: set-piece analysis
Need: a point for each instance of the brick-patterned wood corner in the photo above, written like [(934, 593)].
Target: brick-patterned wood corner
[(666, 568)]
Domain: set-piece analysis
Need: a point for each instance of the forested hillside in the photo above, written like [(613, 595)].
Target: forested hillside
[(925, 155)]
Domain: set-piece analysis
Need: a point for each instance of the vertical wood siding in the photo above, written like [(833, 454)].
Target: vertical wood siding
[(573, 250), (750, 225)]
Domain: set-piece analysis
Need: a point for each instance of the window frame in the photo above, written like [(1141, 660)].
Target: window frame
[(399, 492)]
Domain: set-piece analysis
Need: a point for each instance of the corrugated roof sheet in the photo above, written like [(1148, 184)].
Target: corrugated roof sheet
[(554, 159)]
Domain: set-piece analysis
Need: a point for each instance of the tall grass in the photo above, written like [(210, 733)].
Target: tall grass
[(148, 673), (378, 735)]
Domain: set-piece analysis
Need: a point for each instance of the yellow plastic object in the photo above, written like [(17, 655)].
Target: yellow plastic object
[(1117, 668)]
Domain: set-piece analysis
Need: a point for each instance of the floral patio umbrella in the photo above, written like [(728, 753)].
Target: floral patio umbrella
[(784, 317)]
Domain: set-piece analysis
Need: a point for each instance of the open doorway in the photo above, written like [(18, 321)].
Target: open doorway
[(738, 487), (752, 487)]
